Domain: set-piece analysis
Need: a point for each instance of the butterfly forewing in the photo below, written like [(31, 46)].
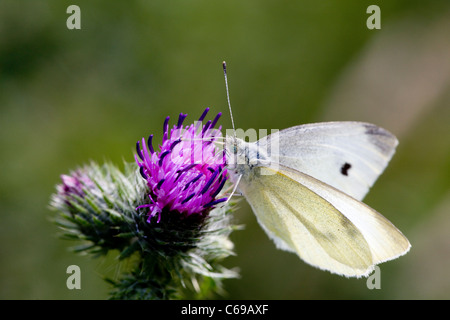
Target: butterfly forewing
[(346, 155)]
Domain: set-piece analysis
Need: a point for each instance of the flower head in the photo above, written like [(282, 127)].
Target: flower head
[(74, 184), (188, 172), (102, 207)]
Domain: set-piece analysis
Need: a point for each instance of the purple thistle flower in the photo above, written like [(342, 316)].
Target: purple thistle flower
[(74, 184), (188, 172)]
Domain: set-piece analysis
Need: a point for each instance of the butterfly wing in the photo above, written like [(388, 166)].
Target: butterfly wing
[(346, 155), (325, 227)]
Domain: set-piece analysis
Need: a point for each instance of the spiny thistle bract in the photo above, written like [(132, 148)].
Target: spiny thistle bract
[(161, 213)]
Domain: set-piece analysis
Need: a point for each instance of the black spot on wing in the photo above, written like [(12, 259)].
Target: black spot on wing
[(345, 167)]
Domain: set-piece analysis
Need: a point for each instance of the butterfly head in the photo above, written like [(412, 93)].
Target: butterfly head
[(235, 152), (242, 157)]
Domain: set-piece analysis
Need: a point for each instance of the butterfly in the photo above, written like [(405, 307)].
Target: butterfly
[(305, 185)]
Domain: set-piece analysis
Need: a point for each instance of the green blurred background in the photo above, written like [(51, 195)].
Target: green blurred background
[(71, 96)]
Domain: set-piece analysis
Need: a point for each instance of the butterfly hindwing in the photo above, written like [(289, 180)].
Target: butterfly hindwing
[(300, 220)]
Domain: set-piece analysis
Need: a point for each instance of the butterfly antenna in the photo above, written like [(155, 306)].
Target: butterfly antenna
[(224, 64)]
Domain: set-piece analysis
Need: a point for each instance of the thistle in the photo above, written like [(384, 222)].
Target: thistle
[(166, 213), (188, 173)]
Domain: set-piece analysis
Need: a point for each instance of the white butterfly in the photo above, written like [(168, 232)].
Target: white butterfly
[(305, 185)]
